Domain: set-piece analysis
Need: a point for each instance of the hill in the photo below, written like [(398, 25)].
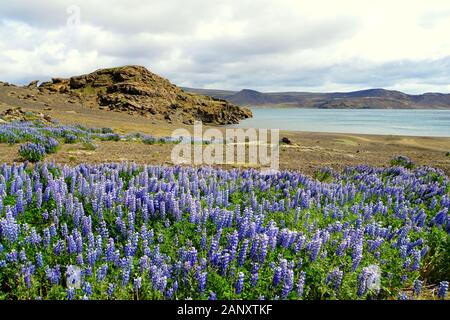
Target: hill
[(363, 99), (136, 90)]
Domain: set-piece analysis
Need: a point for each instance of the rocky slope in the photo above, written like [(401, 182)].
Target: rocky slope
[(136, 90), (364, 99), (18, 114)]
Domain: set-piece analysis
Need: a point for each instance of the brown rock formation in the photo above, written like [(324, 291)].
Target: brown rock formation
[(135, 90), (18, 114)]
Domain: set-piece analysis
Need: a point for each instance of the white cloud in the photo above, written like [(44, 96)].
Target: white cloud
[(267, 45)]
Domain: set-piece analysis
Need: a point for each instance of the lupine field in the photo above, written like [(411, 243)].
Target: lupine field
[(37, 140), (124, 231)]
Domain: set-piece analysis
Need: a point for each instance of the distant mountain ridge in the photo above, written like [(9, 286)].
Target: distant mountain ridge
[(363, 99)]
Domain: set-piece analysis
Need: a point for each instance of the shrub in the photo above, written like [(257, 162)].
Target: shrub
[(33, 152), (70, 138), (435, 265), (403, 161), (89, 145), (109, 137), (324, 174), (161, 140), (107, 130), (51, 145), (149, 140)]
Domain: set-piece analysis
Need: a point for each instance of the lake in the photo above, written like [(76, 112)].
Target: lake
[(434, 123)]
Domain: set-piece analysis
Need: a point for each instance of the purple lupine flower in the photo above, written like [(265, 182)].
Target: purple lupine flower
[(102, 272), (407, 263), (58, 247), (242, 253), (277, 276), (46, 237), (22, 256), (110, 250), (254, 275), (224, 261), (233, 241), (53, 274), (357, 255), (440, 217), (192, 256), (9, 227), (11, 256), (424, 251), (126, 274), (70, 293), (263, 242), (416, 260), (361, 284), (27, 276), (204, 239), (342, 247), (87, 288), (335, 277), (287, 283), (80, 261), (417, 287), (212, 296), (301, 284), (443, 288), (314, 249), (137, 283), (39, 260), (402, 296), (202, 278), (20, 206), (239, 283), (299, 244), (111, 289), (71, 245), (53, 231), (64, 230)]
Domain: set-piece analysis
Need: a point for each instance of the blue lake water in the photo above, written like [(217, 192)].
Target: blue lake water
[(434, 123)]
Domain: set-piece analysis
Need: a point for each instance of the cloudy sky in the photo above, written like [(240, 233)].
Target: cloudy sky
[(276, 45)]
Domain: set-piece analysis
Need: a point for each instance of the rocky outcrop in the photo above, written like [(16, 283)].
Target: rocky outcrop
[(135, 90), (33, 84), (6, 84), (18, 114)]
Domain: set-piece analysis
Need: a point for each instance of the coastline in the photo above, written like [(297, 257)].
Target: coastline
[(308, 151)]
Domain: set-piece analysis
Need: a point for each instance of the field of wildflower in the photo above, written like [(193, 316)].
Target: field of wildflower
[(126, 231), (37, 139)]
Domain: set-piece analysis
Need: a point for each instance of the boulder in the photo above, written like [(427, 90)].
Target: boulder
[(286, 140), (33, 84), (77, 82)]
